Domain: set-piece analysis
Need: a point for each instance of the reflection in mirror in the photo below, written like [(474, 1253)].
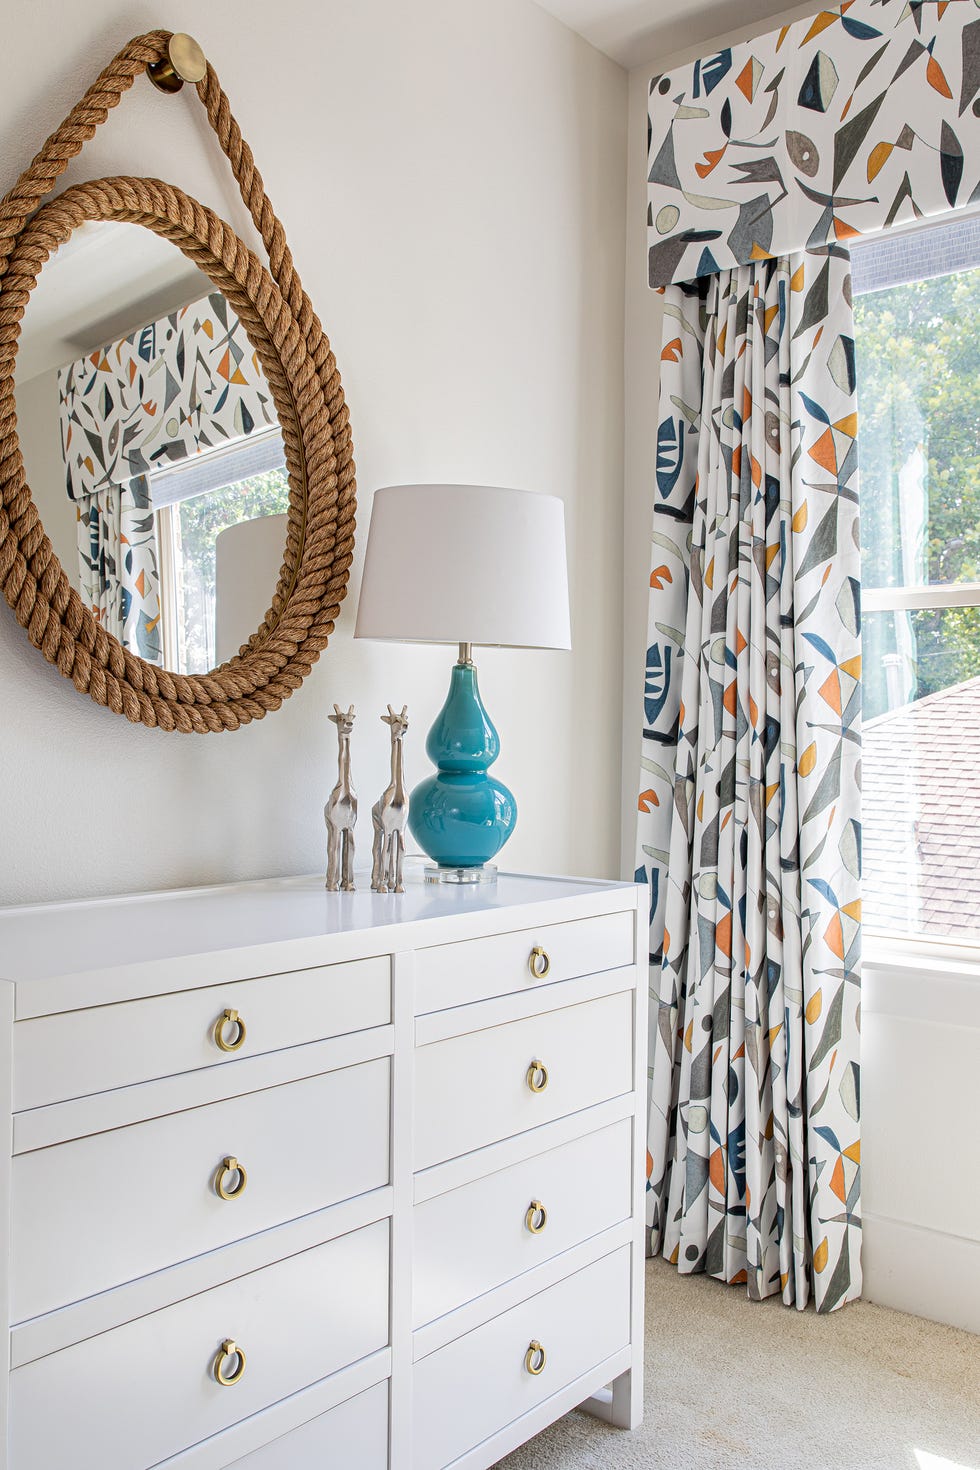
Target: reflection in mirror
[(147, 430)]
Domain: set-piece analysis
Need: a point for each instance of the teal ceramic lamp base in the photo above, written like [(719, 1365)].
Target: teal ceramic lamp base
[(461, 816)]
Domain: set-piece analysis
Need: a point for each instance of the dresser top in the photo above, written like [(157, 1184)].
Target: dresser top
[(118, 948)]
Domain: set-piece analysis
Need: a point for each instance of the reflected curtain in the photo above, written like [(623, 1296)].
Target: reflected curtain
[(117, 560), (749, 823)]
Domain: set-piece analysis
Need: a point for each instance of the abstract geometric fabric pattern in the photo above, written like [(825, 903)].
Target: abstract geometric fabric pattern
[(865, 116), (172, 389), (749, 812)]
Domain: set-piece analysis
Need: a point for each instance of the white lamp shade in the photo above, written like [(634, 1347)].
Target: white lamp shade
[(465, 564), (248, 557)]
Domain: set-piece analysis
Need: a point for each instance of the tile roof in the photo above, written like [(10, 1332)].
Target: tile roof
[(922, 815)]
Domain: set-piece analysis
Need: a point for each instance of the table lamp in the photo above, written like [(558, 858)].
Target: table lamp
[(466, 565)]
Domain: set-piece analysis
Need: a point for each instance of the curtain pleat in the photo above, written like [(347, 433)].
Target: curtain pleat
[(749, 814)]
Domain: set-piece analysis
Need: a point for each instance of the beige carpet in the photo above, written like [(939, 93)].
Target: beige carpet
[(763, 1387)]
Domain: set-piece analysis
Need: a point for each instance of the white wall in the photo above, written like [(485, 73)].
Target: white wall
[(921, 1011), (40, 443), (452, 179)]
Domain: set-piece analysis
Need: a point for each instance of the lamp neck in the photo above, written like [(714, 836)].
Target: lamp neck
[(465, 655)]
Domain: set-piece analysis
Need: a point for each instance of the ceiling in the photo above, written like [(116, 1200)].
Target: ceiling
[(634, 32)]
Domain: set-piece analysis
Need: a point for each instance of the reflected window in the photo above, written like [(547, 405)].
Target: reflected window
[(917, 338), (193, 503)]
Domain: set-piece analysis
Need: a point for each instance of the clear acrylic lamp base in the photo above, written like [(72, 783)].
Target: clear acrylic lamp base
[(434, 873)]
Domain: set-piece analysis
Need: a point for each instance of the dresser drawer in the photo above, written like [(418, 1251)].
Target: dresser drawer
[(473, 1089), (353, 1436), (476, 1385), (131, 1397), (95, 1212), (482, 1234), (474, 969), (78, 1052)]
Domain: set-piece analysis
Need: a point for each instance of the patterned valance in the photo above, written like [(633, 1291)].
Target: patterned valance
[(181, 385), (863, 117)]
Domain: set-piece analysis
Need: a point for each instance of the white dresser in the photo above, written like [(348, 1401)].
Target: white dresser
[(298, 1179)]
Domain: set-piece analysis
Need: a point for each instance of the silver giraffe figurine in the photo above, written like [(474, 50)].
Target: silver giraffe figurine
[(390, 813), (340, 812)]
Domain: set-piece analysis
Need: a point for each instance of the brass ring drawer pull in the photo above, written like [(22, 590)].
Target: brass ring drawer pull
[(537, 1076), (536, 1218), (538, 963), (535, 1359), (218, 1036), (228, 1169), (227, 1352)]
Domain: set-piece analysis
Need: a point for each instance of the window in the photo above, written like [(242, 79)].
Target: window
[(917, 339), (193, 502)]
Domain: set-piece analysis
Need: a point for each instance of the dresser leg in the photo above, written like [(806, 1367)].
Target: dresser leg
[(621, 1404)]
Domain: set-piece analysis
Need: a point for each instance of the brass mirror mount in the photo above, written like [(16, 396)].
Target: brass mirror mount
[(184, 62)]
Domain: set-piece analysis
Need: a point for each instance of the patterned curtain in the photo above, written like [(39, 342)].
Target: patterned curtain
[(117, 560), (749, 824), (176, 388)]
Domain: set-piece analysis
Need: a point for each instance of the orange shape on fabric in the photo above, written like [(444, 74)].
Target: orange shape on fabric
[(834, 935), (753, 712), (771, 553), (687, 1035), (746, 405), (820, 23), (853, 1152), (848, 425), (814, 1007), (723, 936), (701, 807), (722, 335), (141, 584), (844, 231), (796, 279), (714, 157), (673, 351), (745, 81), (647, 800), (771, 792), (783, 32), (737, 462), (207, 327), (824, 451), (808, 759), (740, 643), (852, 666), (150, 408), (659, 576), (756, 472), (837, 1181), (801, 517), (853, 910), (649, 1164), (877, 159), (716, 1171), (709, 576), (739, 1279), (757, 253), (132, 372), (936, 78), (821, 1255), (729, 699), (829, 691), (770, 316)]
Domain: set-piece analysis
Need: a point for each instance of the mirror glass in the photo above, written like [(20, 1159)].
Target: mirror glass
[(151, 446)]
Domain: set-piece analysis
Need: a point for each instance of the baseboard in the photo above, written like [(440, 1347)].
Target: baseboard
[(922, 1271)]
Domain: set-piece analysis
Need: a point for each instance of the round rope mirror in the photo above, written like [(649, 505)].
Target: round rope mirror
[(298, 366)]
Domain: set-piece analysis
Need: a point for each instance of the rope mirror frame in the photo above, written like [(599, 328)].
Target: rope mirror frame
[(299, 367)]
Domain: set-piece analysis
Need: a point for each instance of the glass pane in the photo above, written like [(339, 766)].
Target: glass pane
[(198, 522), (914, 655), (918, 372), (922, 803)]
